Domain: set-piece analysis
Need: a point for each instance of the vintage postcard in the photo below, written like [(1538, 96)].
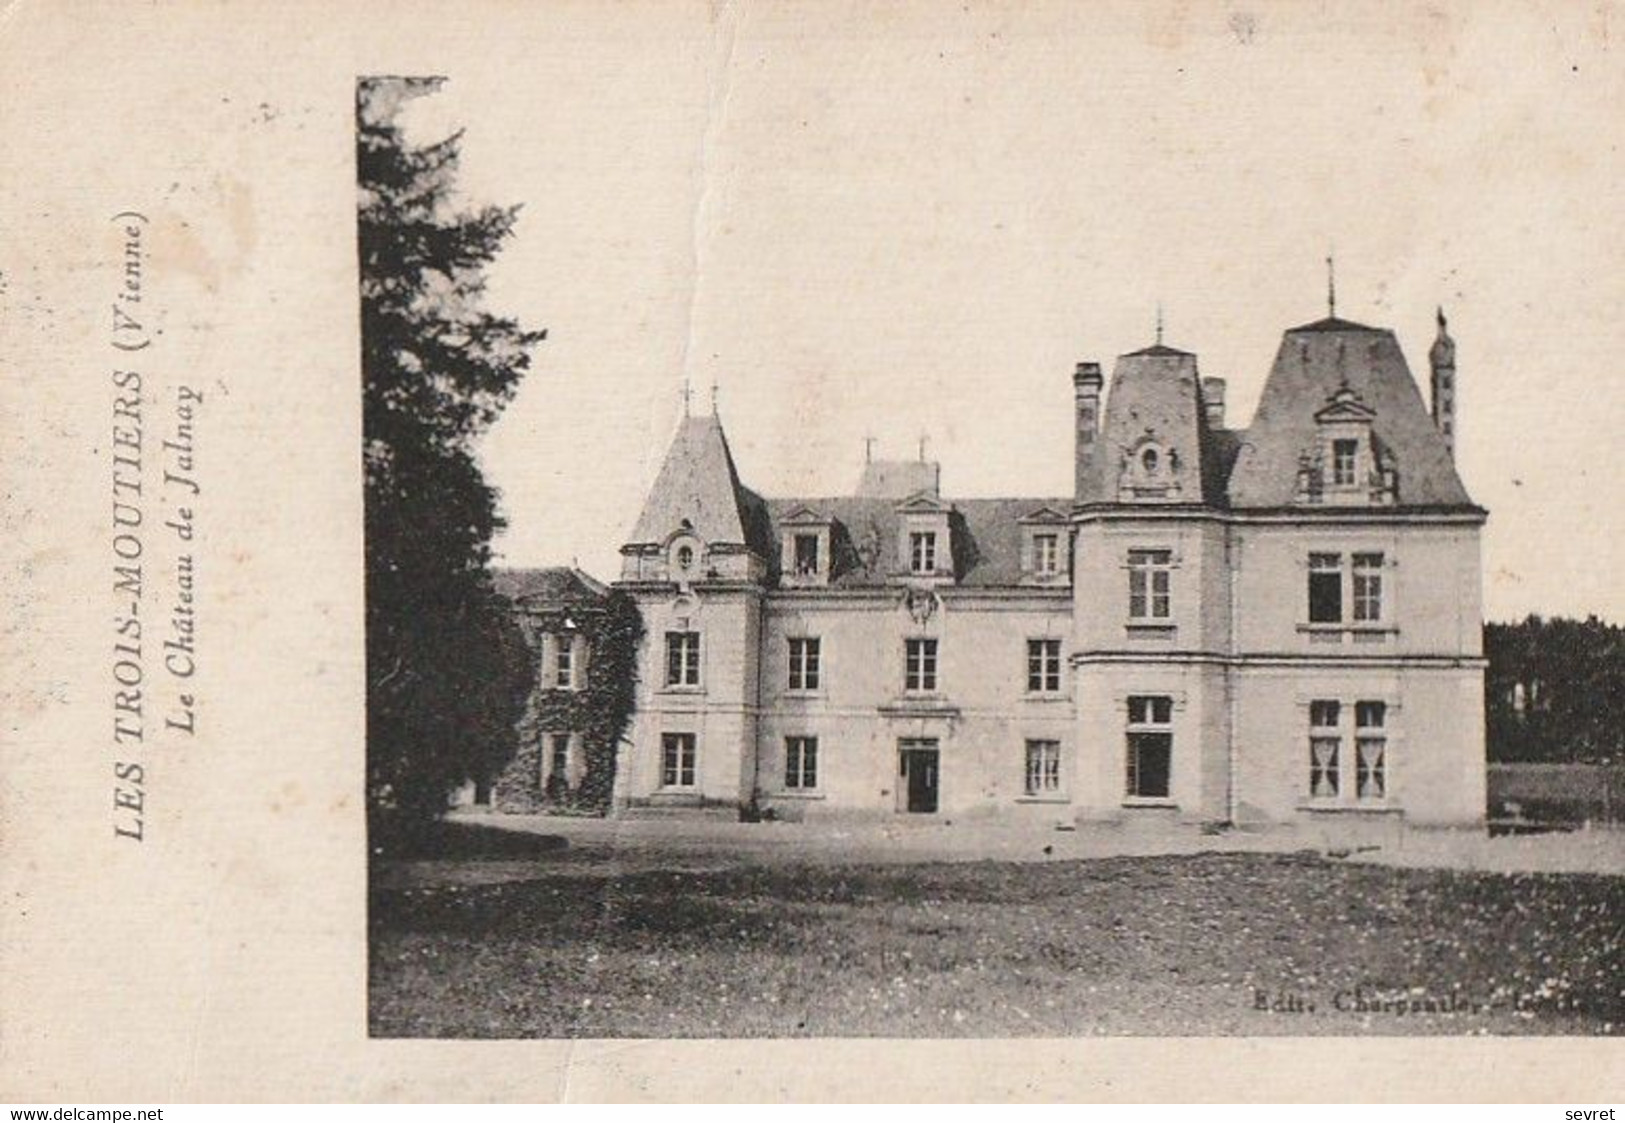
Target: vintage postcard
[(796, 551)]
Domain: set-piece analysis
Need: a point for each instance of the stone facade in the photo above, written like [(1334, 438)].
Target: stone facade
[(1272, 625)]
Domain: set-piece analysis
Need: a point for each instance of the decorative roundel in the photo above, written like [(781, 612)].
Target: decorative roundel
[(1148, 459)]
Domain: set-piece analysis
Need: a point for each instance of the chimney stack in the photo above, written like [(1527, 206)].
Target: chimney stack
[(1442, 362), (1213, 402), (1087, 383)]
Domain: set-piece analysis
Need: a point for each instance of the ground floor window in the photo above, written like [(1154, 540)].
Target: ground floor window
[(557, 757), (1150, 746), (800, 763), (1336, 772), (677, 756), (1371, 745), (1043, 767), (1325, 743)]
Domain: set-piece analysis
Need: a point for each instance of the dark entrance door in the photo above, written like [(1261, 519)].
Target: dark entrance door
[(917, 766)]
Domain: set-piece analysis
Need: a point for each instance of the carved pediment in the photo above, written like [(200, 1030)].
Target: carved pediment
[(806, 516), (923, 503), (1345, 406)]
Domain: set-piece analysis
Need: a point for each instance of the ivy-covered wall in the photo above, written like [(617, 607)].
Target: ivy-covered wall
[(599, 711)]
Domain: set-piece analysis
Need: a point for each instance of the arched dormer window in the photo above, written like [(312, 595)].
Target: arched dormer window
[(1150, 470), (683, 554)]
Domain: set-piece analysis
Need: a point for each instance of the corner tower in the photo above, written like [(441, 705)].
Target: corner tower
[(697, 565)]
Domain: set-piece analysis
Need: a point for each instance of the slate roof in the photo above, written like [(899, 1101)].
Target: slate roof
[(1154, 392), (1313, 362), (986, 534), (550, 585), (698, 482)]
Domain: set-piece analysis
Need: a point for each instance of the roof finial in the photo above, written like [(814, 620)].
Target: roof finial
[(1442, 322), (687, 393), (868, 450), (1331, 287), (1159, 323), (923, 439), (713, 397)]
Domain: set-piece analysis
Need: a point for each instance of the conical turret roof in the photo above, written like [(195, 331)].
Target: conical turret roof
[(698, 484)]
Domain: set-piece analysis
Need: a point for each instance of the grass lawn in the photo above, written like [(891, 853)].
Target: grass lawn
[(1144, 945)]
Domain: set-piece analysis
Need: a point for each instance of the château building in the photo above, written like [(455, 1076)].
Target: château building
[(1271, 624)]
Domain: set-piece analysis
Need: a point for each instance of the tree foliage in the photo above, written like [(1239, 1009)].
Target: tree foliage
[(1555, 690), (448, 670)]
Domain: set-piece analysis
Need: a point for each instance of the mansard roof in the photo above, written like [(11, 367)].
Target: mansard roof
[(699, 483), (1313, 366), (1155, 397), (986, 536)]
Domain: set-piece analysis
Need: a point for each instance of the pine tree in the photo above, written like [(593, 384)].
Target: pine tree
[(448, 670)]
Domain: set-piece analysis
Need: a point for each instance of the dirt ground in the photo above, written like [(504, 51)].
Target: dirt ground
[(664, 928), (602, 846)]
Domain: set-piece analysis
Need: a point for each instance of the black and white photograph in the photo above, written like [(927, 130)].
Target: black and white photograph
[(711, 552), (995, 526)]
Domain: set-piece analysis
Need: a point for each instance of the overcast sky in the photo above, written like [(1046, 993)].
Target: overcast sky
[(894, 225)]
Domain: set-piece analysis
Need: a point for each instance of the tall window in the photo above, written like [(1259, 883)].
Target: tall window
[(1150, 575), (1367, 588), (803, 663), (806, 560), (1338, 769), (920, 665), (1043, 767), (922, 551), (564, 662), (1150, 745), (1046, 554), (1325, 739), (558, 761), (1371, 749), (1043, 666), (1343, 462), (1327, 593), (1325, 588), (682, 658), (800, 763), (677, 756)]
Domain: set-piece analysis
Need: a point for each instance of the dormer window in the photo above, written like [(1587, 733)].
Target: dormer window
[(683, 558), (922, 551), (1343, 453), (1044, 546), (1346, 465), (805, 547), (806, 555), (924, 546), (1046, 554), (1150, 470)]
